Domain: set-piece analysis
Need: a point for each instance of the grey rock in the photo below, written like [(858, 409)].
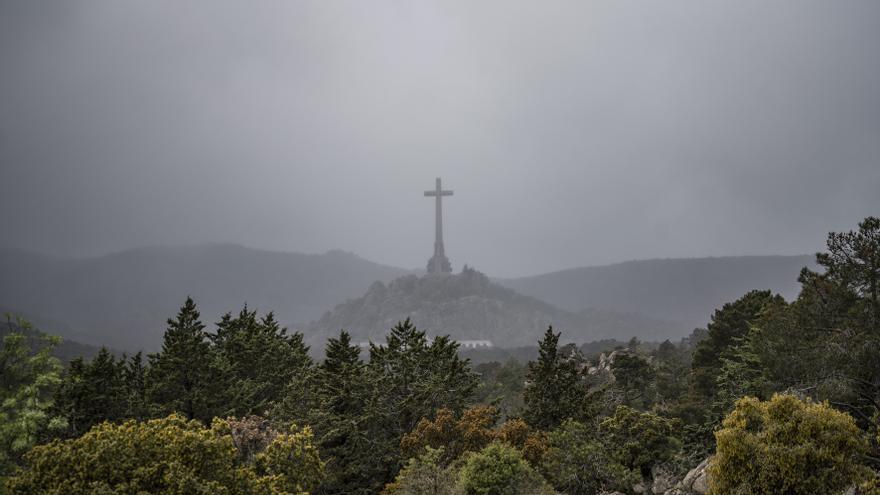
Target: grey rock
[(697, 479), (663, 483)]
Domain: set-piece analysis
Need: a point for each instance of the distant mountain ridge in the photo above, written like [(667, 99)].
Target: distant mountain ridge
[(680, 289), (468, 306), (122, 300)]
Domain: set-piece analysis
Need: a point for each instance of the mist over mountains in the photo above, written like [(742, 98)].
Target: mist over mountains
[(685, 290), (122, 300)]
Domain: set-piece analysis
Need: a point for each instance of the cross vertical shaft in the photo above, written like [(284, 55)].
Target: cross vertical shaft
[(438, 263)]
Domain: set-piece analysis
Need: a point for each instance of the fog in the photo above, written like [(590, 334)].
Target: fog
[(573, 133)]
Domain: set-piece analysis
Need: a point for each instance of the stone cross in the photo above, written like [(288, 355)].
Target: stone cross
[(438, 263)]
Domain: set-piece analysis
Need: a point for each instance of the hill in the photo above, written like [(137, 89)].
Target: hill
[(122, 300), (686, 290), (468, 306)]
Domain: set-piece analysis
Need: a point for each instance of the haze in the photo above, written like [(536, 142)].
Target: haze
[(573, 133)]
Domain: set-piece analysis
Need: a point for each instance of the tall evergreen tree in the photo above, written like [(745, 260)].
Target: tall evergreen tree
[(259, 360), (554, 389), (409, 379), (134, 374), (827, 340), (185, 377), (421, 377), (92, 391), (853, 262), (728, 327), (338, 373), (28, 376), (343, 419)]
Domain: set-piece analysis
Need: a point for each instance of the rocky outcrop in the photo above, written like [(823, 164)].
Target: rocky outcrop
[(465, 306), (663, 482), (695, 482)]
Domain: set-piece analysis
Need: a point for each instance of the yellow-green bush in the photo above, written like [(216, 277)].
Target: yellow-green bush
[(787, 445), (166, 456), (500, 469), (639, 440), (425, 475)]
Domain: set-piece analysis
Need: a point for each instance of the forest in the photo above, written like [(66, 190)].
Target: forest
[(772, 397)]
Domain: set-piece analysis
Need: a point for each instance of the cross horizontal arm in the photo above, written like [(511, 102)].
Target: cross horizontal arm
[(434, 193)]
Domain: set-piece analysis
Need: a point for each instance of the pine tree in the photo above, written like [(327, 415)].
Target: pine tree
[(554, 390), (341, 354), (421, 377), (28, 375), (136, 388), (853, 261), (260, 361), (405, 380), (185, 377), (91, 392), (343, 418), (729, 325), (338, 373)]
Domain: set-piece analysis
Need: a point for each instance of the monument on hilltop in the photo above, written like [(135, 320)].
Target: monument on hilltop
[(439, 263)]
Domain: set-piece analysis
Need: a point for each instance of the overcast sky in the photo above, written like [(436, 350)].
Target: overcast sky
[(573, 133)]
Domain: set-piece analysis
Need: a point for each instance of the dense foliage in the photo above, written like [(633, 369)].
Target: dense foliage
[(27, 378), (786, 445), (170, 456), (211, 412), (500, 469)]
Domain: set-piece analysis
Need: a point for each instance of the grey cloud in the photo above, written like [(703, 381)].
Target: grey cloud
[(573, 133)]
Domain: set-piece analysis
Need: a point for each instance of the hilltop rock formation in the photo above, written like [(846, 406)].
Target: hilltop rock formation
[(468, 306)]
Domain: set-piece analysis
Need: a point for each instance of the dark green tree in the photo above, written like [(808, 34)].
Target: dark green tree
[(91, 392), (554, 389), (673, 365), (185, 377), (259, 361), (343, 419), (635, 378), (639, 440), (853, 262), (729, 325), (340, 370), (420, 377), (826, 342), (410, 378), (134, 374), (577, 462), (28, 377), (501, 384)]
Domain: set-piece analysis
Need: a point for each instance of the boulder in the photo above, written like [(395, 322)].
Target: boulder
[(663, 482), (697, 479)]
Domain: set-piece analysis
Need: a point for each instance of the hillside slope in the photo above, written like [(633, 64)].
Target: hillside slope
[(122, 300), (468, 306), (685, 290)]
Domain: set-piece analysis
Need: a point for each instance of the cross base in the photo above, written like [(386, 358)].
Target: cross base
[(439, 264)]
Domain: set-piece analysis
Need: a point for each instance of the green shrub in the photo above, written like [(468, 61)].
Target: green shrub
[(500, 469), (640, 440), (424, 475), (166, 456), (578, 464), (787, 445)]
